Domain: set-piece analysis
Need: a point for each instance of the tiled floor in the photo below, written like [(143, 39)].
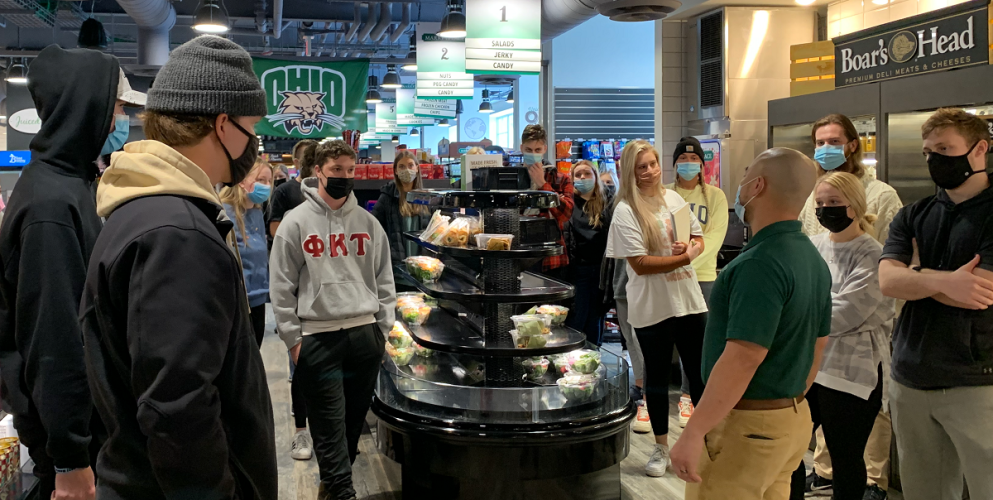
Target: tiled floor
[(378, 478)]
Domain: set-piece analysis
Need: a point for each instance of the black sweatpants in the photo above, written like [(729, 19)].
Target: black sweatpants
[(587, 310), (846, 420), (337, 375), (297, 402), (686, 333), (257, 315)]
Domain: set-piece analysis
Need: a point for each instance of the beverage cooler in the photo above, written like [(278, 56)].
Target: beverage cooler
[(488, 404)]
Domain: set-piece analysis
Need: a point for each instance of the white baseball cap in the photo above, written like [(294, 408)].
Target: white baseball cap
[(126, 94)]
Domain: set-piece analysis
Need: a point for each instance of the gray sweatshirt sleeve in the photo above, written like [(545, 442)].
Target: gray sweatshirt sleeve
[(285, 264), (386, 290), (859, 295)]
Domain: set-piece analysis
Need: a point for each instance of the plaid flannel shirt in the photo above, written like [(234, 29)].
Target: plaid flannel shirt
[(562, 184)]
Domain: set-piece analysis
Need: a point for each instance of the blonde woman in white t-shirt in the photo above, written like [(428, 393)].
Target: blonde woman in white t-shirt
[(666, 306)]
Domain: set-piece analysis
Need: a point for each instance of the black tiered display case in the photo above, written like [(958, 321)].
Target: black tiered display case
[(466, 423)]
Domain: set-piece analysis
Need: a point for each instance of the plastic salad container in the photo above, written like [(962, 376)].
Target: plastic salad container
[(494, 241), (535, 324), (400, 339), (401, 356), (577, 388), (587, 362), (414, 314), (558, 313), (535, 368), (424, 269), (528, 341)]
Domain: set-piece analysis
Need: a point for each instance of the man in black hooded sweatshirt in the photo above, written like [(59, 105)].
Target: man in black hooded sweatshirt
[(48, 233)]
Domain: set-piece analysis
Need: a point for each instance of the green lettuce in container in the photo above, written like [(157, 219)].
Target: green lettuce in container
[(587, 362), (577, 388), (535, 368)]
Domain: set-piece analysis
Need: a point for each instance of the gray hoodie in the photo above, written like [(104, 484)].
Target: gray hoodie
[(329, 269)]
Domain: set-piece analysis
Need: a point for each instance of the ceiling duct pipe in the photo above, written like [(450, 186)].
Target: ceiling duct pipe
[(277, 18), (385, 19), (370, 21), (261, 21), (404, 24), (154, 19), (355, 24)]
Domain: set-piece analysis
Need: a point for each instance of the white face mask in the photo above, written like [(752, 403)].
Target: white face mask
[(406, 176)]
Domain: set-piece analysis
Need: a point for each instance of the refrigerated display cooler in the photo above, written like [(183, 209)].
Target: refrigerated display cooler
[(478, 411)]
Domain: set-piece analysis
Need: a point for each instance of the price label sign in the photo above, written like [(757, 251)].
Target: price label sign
[(441, 65), (503, 36)]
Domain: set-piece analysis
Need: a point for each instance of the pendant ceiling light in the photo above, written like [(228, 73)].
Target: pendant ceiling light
[(17, 72), (510, 97), (372, 95), (444, 123), (396, 139), (391, 80), (211, 17), (486, 107), (412, 55), (414, 133), (453, 24)]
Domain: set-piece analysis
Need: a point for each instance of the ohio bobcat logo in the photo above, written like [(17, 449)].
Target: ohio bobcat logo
[(304, 111), (305, 99)]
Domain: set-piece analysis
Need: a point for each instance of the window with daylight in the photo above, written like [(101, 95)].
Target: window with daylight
[(502, 126)]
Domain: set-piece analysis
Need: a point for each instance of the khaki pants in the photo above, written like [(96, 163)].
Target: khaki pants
[(877, 454), (751, 455)]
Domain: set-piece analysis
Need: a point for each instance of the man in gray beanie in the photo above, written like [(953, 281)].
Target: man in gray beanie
[(171, 357)]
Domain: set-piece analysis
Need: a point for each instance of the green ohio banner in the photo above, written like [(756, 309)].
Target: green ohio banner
[(311, 100)]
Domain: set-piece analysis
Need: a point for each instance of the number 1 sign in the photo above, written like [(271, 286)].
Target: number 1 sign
[(441, 65), (503, 36)]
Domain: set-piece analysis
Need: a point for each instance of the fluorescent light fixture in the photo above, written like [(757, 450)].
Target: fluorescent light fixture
[(211, 17), (807, 2)]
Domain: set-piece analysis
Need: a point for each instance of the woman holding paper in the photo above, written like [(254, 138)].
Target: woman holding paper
[(710, 207), (666, 304), (586, 241)]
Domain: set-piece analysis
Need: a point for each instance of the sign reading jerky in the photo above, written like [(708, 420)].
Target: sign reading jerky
[(949, 38)]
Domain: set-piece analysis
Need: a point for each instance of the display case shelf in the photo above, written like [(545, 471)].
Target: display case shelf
[(484, 199), (534, 289), (446, 333), (526, 252)]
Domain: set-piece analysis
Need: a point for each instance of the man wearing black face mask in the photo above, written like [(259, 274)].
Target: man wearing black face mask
[(939, 258), (171, 358), (332, 291)]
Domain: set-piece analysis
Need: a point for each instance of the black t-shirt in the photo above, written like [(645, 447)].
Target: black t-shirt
[(587, 244), (285, 198), (937, 346)]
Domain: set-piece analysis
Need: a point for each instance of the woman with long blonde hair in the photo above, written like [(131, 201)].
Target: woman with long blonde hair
[(243, 204), (392, 210), (666, 306), (586, 242), (847, 393)]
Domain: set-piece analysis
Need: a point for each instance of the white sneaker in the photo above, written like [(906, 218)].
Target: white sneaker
[(642, 422), (685, 410), (659, 462), (303, 446)]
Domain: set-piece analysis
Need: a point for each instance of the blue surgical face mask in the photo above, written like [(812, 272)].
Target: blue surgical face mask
[(583, 185), (533, 158), (739, 209), (117, 138), (830, 157), (260, 194), (688, 170)]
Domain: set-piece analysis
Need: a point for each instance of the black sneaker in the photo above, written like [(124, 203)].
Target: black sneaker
[(873, 492), (816, 484)]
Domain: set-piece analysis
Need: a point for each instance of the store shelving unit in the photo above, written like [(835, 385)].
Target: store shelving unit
[(466, 422)]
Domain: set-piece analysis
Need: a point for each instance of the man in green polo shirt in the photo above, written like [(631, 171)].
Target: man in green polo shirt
[(770, 314)]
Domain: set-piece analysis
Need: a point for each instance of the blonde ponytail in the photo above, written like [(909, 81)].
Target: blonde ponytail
[(853, 190)]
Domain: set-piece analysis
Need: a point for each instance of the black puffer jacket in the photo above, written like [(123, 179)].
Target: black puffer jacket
[(49, 229), (387, 212)]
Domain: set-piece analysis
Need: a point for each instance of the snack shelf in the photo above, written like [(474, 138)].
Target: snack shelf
[(526, 252), (534, 289), (443, 332), (484, 199)]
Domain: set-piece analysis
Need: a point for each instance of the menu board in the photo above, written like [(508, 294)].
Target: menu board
[(441, 65)]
